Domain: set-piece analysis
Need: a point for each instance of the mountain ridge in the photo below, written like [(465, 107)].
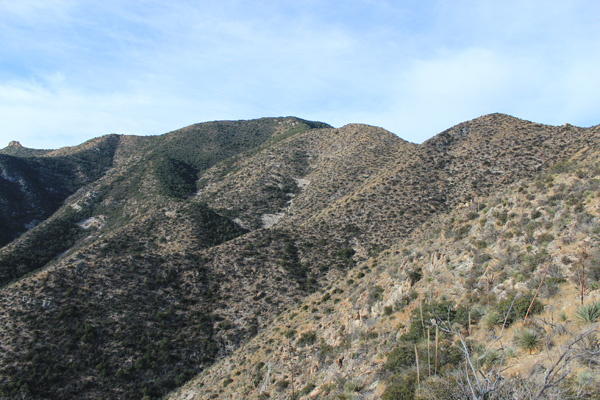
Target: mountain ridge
[(354, 338), (199, 250)]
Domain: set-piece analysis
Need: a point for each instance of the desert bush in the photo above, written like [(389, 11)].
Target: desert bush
[(481, 244), (493, 319), (528, 339), (588, 313), (518, 310), (353, 386), (472, 215), (176, 179), (307, 338), (436, 311), (401, 388), (282, 385), (400, 359), (415, 275), (290, 333), (449, 387), (307, 389), (545, 238), (375, 294), (587, 351), (227, 381)]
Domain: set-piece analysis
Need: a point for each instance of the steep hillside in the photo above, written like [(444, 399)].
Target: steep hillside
[(138, 174), (34, 184), (455, 291), (471, 159), (302, 175), (128, 226), (192, 242)]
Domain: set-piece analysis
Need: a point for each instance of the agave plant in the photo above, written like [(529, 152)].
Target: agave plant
[(588, 313), (528, 339)]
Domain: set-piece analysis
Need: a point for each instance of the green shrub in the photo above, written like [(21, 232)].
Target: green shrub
[(402, 388), (588, 313), (227, 381), (400, 359), (307, 389), (307, 338), (442, 311), (519, 308), (375, 294), (290, 333), (528, 339), (415, 275)]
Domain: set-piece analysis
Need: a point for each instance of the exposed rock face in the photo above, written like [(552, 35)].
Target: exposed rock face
[(14, 143)]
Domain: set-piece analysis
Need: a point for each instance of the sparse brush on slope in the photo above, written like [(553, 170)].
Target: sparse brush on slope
[(455, 329), (204, 236)]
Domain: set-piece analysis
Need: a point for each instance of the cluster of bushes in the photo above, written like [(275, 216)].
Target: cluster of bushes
[(443, 312), (213, 227), (203, 145), (278, 195), (166, 342), (45, 244), (290, 261), (520, 304), (176, 179), (428, 339)]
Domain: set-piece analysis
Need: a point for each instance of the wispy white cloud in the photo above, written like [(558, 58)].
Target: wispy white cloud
[(72, 70)]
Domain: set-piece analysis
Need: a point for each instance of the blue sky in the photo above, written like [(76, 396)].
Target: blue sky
[(74, 70)]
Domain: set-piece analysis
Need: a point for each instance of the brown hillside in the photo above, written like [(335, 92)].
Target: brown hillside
[(357, 338), (193, 242)]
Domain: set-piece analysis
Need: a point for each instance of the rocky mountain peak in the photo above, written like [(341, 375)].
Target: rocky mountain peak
[(15, 143)]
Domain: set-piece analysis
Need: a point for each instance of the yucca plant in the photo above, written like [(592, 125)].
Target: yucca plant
[(588, 313), (528, 339)]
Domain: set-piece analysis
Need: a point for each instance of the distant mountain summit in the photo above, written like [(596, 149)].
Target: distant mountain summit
[(131, 264)]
